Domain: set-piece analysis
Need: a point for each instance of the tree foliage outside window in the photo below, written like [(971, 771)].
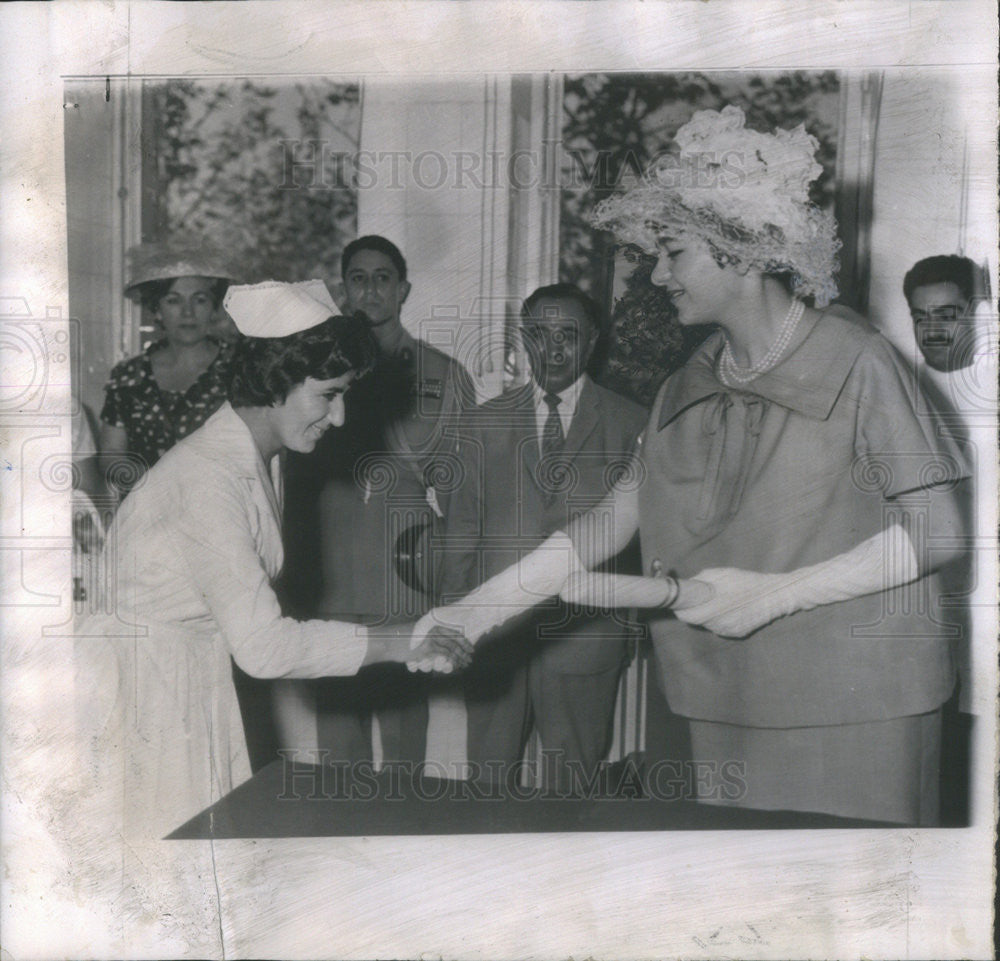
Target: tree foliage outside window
[(257, 169), (614, 125)]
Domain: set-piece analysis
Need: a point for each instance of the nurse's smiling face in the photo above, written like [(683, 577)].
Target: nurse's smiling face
[(700, 288), (310, 409)]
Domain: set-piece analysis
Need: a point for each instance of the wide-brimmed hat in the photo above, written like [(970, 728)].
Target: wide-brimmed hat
[(178, 256), (276, 309)]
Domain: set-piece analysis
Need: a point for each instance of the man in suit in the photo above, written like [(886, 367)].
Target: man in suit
[(533, 458), (362, 508), (954, 329)]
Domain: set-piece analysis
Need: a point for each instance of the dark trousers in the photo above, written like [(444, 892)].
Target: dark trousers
[(516, 683), (345, 706)]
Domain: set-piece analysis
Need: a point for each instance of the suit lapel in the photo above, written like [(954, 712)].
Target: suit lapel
[(585, 420), (527, 436)]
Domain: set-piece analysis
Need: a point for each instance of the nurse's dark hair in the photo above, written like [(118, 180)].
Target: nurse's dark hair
[(153, 291), (265, 369), (943, 269)]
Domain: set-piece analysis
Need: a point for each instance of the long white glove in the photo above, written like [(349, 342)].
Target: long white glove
[(744, 601), (604, 591), (535, 577)]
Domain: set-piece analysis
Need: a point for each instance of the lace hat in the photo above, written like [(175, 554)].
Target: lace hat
[(275, 309), (744, 193), (177, 256)]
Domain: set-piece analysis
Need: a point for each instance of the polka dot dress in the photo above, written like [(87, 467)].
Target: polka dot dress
[(155, 419)]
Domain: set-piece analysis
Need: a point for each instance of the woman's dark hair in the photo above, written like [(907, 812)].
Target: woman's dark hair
[(265, 369), (153, 291)]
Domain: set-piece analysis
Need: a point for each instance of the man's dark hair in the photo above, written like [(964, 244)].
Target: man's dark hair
[(590, 307), (377, 243), (153, 291), (943, 269), (265, 369)]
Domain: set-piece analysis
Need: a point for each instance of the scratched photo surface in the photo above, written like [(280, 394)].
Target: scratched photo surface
[(623, 549)]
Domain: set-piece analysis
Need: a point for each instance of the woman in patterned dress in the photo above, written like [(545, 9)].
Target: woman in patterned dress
[(163, 394)]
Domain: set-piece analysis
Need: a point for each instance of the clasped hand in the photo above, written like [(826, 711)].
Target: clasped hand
[(740, 601), (441, 649), (453, 620)]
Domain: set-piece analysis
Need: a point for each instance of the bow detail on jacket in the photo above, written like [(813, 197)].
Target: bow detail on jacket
[(730, 423)]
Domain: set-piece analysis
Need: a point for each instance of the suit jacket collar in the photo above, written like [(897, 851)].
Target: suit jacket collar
[(521, 404), (808, 381), (569, 398)]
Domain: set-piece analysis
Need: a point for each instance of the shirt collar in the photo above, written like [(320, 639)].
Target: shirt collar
[(568, 398), (809, 380)]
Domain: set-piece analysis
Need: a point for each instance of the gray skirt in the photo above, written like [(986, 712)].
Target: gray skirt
[(879, 771)]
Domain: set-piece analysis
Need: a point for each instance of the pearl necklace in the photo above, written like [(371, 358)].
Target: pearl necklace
[(735, 375)]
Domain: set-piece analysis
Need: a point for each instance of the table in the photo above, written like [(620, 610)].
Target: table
[(303, 800)]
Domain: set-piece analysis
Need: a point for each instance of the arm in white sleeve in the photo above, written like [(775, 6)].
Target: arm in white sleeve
[(743, 601), (212, 535)]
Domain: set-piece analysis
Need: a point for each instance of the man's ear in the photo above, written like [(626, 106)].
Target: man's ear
[(339, 294), (404, 291)]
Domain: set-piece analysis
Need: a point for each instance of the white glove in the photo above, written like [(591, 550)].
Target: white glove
[(744, 601), (535, 577), (740, 602), (604, 591)]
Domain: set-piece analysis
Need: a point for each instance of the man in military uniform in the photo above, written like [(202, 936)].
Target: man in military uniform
[(362, 508)]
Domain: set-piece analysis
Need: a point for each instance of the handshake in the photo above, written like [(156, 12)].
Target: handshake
[(730, 603), (443, 639), (438, 648)]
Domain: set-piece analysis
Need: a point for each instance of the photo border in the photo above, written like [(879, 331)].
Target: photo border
[(880, 894)]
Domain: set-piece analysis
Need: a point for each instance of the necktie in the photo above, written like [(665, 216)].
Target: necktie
[(552, 433)]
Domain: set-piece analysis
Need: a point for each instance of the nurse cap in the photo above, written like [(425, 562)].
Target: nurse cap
[(275, 309)]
